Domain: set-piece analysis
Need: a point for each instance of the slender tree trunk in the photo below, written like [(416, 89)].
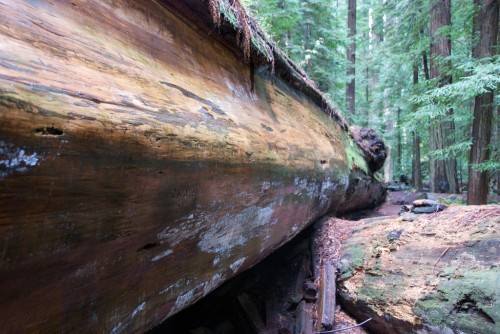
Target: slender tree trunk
[(389, 135), (477, 191), (425, 62), (442, 172), (497, 148), (476, 27), (416, 167), (367, 87), (351, 58), (398, 138)]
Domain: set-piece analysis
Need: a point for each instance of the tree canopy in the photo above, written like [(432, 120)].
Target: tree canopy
[(394, 43)]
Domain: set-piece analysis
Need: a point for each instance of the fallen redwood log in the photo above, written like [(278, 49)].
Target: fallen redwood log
[(435, 274), (143, 162)]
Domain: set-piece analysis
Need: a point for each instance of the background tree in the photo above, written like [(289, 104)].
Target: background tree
[(443, 171), (487, 25), (351, 58)]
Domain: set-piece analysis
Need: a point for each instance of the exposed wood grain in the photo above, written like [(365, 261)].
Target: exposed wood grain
[(327, 300), (138, 170)]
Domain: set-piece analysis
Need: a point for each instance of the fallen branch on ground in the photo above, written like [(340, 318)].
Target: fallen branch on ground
[(345, 328)]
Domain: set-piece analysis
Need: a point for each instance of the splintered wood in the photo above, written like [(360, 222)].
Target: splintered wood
[(326, 244)]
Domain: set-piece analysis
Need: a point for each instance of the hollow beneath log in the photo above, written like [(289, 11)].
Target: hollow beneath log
[(265, 299), (280, 295)]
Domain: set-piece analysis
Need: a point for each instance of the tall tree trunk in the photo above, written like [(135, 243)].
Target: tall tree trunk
[(425, 62), (389, 135), (351, 58), (398, 139), (497, 148), (476, 27), (497, 142), (443, 172), (415, 165), (477, 191)]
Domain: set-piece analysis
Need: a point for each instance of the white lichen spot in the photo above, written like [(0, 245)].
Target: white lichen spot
[(172, 287), (14, 159), (162, 255), (185, 228), (266, 185), (234, 230), (216, 261), (118, 328), (237, 264), (170, 234), (138, 309), (184, 299), (213, 283)]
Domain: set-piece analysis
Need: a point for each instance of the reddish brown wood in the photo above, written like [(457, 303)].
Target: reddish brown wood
[(327, 300), (443, 172), (351, 58), (477, 191), (139, 171)]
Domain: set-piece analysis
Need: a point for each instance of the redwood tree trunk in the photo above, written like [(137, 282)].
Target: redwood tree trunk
[(426, 66), (443, 172), (477, 191), (351, 57), (398, 138), (416, 167)]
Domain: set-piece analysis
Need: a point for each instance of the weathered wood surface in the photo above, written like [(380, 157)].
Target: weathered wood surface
[(325, 250), (436, 274), (138, 171)]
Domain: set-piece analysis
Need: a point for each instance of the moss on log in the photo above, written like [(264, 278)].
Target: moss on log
[(436, 274)]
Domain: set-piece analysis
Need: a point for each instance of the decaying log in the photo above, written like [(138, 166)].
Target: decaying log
[(139, 170), (325, 250), (372, 146), (327, 301), (436, 274)]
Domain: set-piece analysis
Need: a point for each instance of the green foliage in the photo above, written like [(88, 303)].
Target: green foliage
[(392, 36), (312, 35), (479, 77)]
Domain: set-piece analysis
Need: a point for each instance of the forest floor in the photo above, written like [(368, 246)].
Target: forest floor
[(396, 199), (420, 270)]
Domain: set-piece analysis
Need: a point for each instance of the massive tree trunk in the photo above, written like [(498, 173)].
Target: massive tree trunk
[(416, 166), (351, 58), (443, 171), (139, 169), (477, 191)]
